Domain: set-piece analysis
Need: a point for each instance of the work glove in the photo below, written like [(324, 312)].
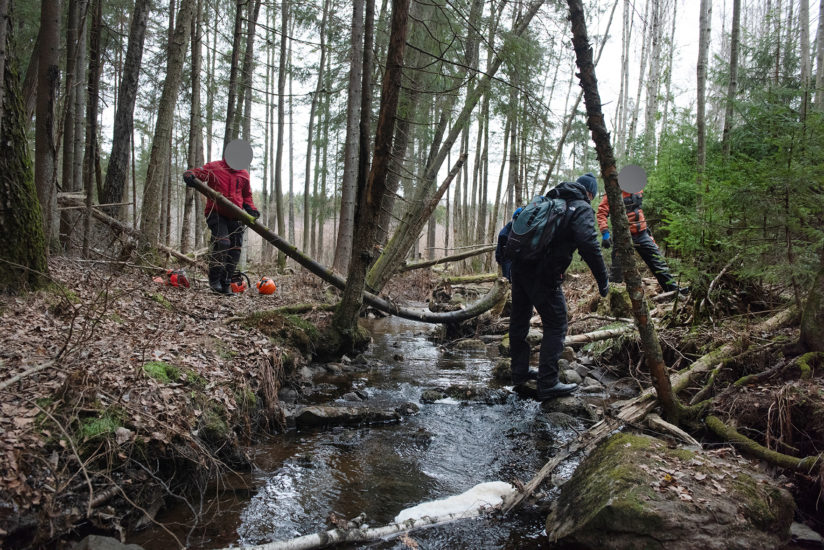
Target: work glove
[(251, 210), (189, 178), (604, 290), (606, 242)]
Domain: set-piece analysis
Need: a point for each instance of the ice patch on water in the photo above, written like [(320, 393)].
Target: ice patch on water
[(491, 493)]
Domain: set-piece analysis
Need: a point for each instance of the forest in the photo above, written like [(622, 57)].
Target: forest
[(391, 142)]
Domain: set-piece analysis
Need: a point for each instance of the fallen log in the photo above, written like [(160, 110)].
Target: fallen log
[(587, 337), (358, 534), (447, 259), (116, 224), (482, 278), (492, 297)]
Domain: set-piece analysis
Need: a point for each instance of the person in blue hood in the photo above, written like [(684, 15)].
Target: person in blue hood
[(538, 284)]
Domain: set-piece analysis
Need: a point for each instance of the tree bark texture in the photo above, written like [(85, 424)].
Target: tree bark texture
[(45, 148), (413, 221), (117, 173), (732, 87), (23, 257), (370, 197), (91, 157), (194, 157), (230, 131), (620, 225), (160, 154), (284, 37), (701, 85), (343, 247)]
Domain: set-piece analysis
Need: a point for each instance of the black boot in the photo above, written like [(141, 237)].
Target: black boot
[(216, 277)]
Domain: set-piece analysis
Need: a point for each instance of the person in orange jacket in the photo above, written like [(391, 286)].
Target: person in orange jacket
[(641, 239)]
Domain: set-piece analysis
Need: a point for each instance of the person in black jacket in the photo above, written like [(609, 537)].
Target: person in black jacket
[(500, 248), (538, 284)]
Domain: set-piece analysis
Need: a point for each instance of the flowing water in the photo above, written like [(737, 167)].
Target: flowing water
[(303, 477)]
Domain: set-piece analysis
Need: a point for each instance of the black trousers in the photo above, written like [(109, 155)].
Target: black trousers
[(533, 287), (225, 245), (651, 254)]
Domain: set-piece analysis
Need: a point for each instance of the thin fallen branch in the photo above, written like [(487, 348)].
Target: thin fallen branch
[(597, 335), (473, 310), (585, 441), (447, 259), (337, 536), (714, 282), (481, 278), (657, 423), (70, 200), (25, 373)]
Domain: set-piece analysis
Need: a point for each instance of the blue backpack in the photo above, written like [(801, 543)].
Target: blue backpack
[(532, 231)]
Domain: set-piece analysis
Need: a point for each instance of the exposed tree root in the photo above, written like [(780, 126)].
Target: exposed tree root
[(805, 465)]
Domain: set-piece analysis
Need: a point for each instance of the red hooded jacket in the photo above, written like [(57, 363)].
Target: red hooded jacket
[(632, 203), (232, 184)]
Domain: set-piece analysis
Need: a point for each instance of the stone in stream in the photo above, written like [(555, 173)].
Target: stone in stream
[(634, 491), (315, 416)]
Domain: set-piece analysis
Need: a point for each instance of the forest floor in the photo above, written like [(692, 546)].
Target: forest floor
[(143, 389)]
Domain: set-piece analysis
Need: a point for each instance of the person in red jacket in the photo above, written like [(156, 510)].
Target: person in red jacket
[(230, 177), (641, 239)]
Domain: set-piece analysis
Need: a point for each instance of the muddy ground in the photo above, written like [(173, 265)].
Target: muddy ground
[(133, 391)]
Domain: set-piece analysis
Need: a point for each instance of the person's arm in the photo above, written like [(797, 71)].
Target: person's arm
[(204, 174), (248, 203), (603, 214), (582, 224)]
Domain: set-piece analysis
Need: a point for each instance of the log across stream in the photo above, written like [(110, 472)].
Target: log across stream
[(305, 478)]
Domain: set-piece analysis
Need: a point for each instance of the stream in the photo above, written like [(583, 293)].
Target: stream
[(302, 477)]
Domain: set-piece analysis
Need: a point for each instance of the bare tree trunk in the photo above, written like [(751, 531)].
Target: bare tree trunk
[(343, 247), (309, 135), (595, 121), (291, 151), (806, 62), (249, 67), (653, 81), (118, 171), (92, 90), (230, 131), (637, 105), (159, 157), (668, 95), (23, 258), (735, 32), (345, 319), (412, 223), (195, 154), (281, 126), (701, 78), (819, 60), (45, 150)]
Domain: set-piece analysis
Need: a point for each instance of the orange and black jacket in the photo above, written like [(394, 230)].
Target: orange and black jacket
[(632, 204)]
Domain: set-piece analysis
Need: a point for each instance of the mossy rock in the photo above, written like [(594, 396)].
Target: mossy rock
[(503, 347), (635, 492), (470, 344), (331, 344)]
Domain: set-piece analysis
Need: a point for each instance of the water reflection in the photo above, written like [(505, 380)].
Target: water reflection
[(450, 446)]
